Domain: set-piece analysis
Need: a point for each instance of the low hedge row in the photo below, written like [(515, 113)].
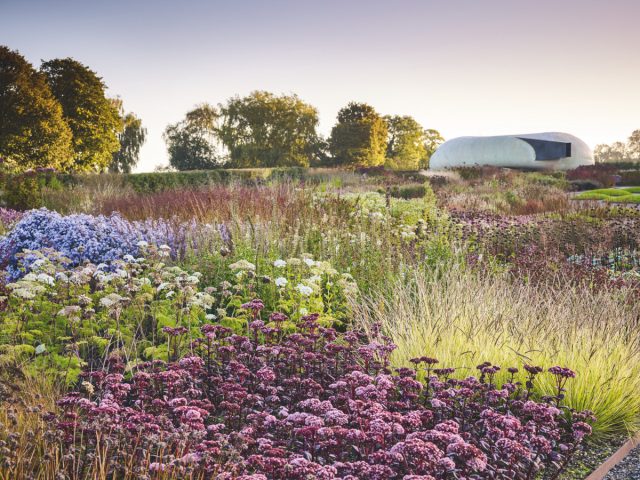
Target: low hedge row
[(158, 181)]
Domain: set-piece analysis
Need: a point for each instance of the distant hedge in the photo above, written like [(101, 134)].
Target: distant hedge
[(158, 181), (630, 178)]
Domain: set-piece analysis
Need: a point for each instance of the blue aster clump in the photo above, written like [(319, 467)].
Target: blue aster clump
[(82, 237)]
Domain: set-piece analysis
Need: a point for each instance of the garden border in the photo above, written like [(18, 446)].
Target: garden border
[(620, 454)]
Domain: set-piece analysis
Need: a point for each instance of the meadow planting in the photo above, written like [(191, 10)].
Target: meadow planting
[(316, 326)]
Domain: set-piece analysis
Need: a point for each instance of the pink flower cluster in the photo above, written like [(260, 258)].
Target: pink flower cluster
[(312, 404)]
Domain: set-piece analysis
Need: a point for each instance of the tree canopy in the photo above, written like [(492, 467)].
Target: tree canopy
[(432, 140), (93, 119), (33, 132), (60, 117), (406, 148), (359, 137), (192, 143), (633, 145), (266, 130), (131, 137)]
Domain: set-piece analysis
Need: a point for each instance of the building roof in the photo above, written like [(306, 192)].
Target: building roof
[(537, 151)]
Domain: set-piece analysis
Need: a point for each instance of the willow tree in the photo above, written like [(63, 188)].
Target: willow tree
[(192, 143), (267, 130)]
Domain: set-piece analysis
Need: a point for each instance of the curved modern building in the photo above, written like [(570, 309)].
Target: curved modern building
[(534, 151)]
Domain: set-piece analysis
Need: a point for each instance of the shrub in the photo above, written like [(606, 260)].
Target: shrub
[(309, 405), (578, 185), (83, 237), (612, 192), (8, 218), (438, 181), (552, 179), (630, 198), (161, 181), (591, 196), (407, 192), (23, 191), (630, 177), (601, 173), (480, 172)]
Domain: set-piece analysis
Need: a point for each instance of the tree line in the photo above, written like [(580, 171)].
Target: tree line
[(58, 116), (267, 130), (618, 152)]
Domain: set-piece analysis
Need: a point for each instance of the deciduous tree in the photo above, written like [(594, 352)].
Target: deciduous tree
[(633, 145), (131, 137), (432, 141), (359, 137), (406, 143), (93, 119), (192, 143), (266, 130), (33, 132)]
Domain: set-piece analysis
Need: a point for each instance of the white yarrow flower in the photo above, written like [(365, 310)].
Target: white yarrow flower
[(281, 282), (242, 265), (304, 289)]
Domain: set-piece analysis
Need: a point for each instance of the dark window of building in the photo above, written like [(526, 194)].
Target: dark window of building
[(548, 149)]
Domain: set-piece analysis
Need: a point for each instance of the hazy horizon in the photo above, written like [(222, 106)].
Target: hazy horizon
[(462, 67)]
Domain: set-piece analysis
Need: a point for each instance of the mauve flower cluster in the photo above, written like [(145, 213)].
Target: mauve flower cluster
[(9, 217), (312, 404), (83, 237)]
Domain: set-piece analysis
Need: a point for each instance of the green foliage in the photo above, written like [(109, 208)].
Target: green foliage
[(556, 180), (406, 148), (359, 138), (456, 315), (131, 138), (265, 130), (192, 142), (631, 177), (23, 191), (161, 181), (591, 195), (93, 119), (408, 191), (33, 132), (614, 195), (59, 319), (624, 199), (432, 141), (612, 192)]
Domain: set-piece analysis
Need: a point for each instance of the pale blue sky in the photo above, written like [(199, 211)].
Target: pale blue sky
[(464, 67)]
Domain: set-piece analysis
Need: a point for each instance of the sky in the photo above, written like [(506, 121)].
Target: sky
[(463, 67)]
